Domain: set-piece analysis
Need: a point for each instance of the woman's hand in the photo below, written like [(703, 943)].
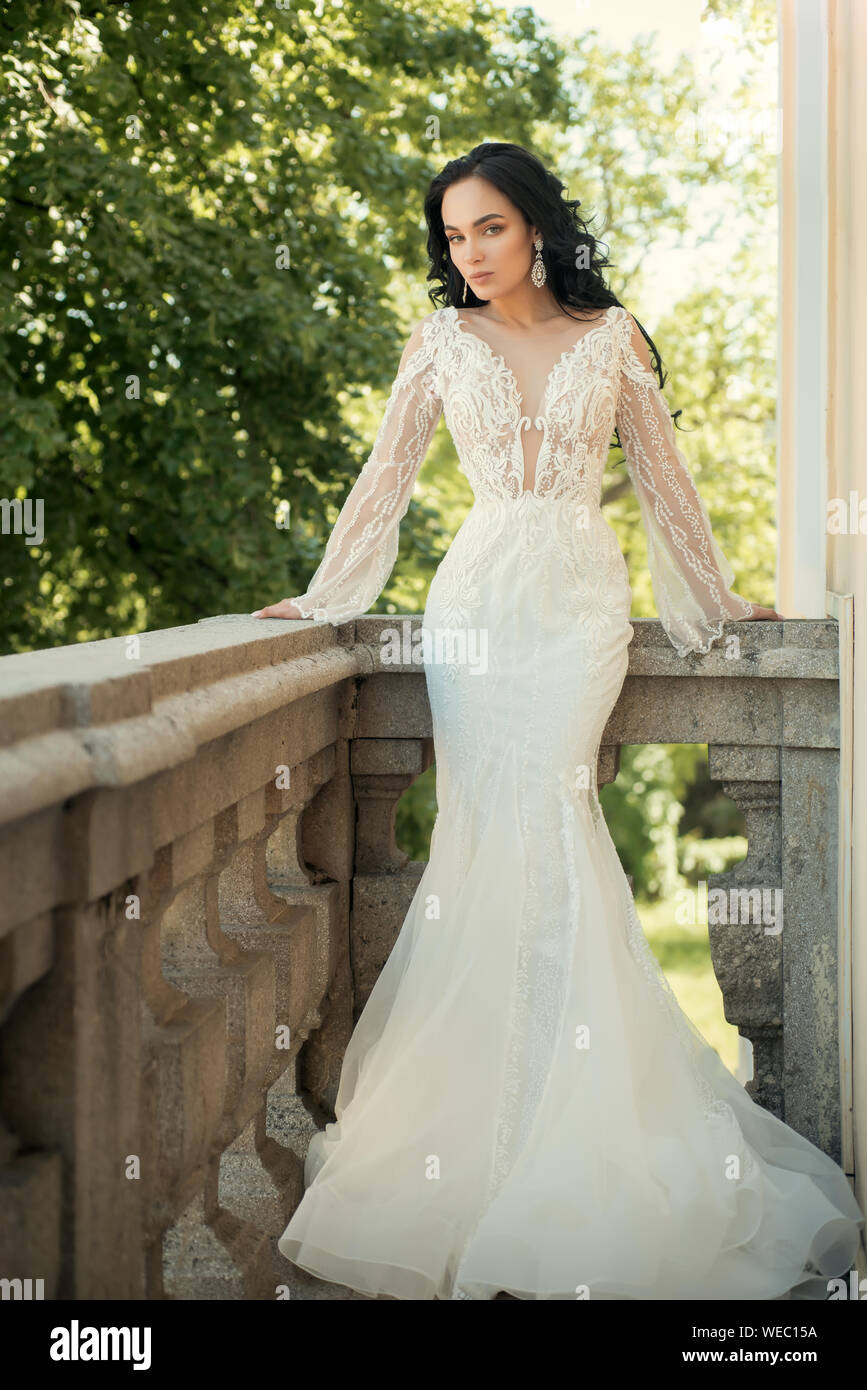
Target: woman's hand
[(284, 609), (764, 615)]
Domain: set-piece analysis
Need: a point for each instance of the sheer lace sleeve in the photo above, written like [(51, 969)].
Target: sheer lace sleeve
[(362, 547), (691, 576)]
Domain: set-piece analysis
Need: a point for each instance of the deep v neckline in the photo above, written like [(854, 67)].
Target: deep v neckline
[(501, 361), (517, 398)]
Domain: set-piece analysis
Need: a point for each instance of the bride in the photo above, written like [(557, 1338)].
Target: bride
[(523, 1107)]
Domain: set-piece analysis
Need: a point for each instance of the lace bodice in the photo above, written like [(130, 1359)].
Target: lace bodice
[(597, 381)]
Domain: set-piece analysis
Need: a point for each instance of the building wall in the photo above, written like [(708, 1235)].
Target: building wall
[(823, 349)]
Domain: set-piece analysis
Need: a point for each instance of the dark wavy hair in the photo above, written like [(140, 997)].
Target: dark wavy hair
[(538, 194)]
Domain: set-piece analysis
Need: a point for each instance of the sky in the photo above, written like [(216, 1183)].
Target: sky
[(678, 29), (619, 21)]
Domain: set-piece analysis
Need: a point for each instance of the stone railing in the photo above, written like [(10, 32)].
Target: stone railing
[(201, 884)]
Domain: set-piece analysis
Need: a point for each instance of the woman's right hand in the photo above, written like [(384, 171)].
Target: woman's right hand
[(284, 609)]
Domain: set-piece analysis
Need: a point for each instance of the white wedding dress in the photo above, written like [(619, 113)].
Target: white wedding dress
[(523, 1106)]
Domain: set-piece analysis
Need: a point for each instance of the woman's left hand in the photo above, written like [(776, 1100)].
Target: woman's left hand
[(764, 615)]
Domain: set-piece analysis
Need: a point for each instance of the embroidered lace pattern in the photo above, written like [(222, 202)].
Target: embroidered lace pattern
[(362, 547), (690, 574), (599, 380)]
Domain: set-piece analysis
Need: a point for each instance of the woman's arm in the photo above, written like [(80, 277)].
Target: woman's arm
[(691, 576), (362, 547)]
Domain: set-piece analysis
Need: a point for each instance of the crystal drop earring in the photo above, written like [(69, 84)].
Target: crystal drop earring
[(538, 274)]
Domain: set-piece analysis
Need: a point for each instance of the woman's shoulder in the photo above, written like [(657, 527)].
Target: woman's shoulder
[(428, 328), (424, 335), (439, 313), (634, 340)]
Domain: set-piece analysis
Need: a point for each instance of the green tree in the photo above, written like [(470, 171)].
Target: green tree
[(203, 212)]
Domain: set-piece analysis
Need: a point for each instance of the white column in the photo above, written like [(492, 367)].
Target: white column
[(802, 461)]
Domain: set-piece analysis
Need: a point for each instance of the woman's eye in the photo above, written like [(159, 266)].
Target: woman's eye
[(494, 227)]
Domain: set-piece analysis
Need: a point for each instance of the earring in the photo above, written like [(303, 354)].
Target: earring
[(538, 274), (465, 292)]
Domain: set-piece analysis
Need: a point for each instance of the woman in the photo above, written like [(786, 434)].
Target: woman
[(523, 1107)]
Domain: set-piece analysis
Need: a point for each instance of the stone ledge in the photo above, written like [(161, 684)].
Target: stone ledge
[(768, 650), (78, 718)]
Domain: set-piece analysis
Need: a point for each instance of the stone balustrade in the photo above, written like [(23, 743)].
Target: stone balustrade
[(201, 884)]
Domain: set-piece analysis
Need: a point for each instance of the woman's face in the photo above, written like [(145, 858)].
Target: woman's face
[(487, 235)]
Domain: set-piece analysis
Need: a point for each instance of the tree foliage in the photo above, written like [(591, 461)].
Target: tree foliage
[(204, 212)]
